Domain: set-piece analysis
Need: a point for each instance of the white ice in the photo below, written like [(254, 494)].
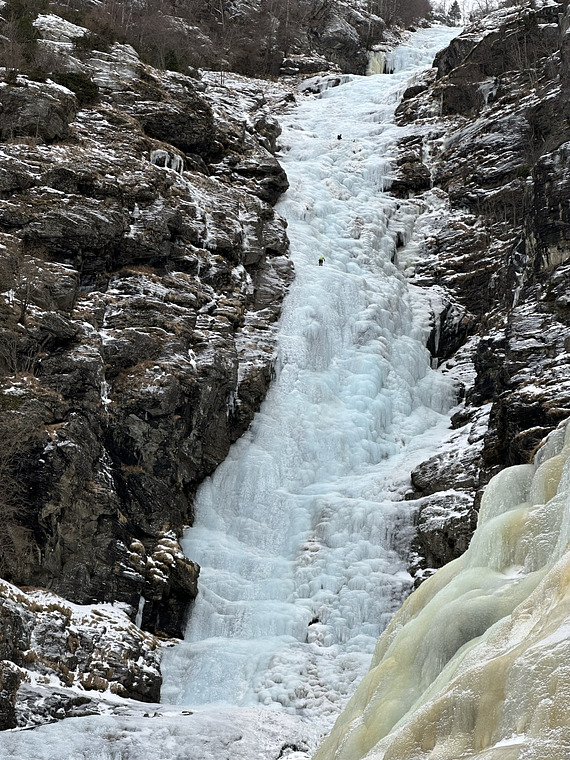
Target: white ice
[(301, 533), (475, 664)]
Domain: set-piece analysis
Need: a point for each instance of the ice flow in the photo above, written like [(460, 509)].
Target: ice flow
[(301, 533)]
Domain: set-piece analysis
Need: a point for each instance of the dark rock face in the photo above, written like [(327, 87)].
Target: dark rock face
[(10, 681), (186, 123), (335, 37), (413, 175), (340, 42), (498, 251), (143, 270)]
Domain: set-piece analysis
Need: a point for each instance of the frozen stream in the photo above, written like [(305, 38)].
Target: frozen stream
[(301, 533)]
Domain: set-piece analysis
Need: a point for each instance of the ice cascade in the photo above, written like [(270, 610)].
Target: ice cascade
[(301, 533), (476, 664)]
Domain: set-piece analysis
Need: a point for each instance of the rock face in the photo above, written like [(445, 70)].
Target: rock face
[(41, 111), (142, 270), (341, 41), (57, 656), (490, 130)]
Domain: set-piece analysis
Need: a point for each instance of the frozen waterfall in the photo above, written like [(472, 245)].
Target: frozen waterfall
[(301, 533), (476, 662)]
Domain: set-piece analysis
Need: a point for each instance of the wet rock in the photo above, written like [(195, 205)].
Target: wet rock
[(452, 326), (413, 176)]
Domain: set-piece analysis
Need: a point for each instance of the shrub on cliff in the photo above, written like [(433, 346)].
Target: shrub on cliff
[(85, 90)]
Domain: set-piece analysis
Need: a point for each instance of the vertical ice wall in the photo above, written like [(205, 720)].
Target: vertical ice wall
[(476, 664), (301, 533)]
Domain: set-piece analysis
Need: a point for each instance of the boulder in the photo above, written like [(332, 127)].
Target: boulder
[(40, 111)]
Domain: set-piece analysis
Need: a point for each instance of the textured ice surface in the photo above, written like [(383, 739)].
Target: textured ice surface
[(301, 533), (476, 663)]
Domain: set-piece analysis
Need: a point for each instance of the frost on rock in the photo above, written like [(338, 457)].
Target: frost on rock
[(492, 241), (70, 660), (58, 29)]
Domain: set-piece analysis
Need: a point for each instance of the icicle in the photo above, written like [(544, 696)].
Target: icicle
[(138, 619), (167, 160)]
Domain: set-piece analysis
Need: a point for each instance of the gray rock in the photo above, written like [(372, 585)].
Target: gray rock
[(39, 111), (498, 251)]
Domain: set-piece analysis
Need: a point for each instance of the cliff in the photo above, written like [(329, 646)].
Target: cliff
[(486, 160), (143, 269)]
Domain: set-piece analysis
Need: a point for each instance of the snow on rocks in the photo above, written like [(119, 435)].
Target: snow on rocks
[(40, 111), (157, 732), (494, 239), (143, 269), (68, 658), (57, 29)]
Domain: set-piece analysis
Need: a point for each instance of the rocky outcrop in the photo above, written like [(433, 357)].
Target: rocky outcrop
[(58, 656), (339, 41), (38, 111), (142, 270), (498, 249)]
